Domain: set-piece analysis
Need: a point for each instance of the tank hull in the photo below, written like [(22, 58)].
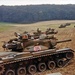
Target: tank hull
[(29, 63)]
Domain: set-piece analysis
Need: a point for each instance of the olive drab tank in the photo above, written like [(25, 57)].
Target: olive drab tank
[(51, 31), (62, 26), (47, 32), (21, 59)]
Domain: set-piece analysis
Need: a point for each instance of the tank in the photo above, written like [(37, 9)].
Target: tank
[(68, 24), (23, 59), (51, 31), (62, 26), (48, 31)]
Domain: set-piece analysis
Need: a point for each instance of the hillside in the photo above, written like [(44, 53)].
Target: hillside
[(36, 13)]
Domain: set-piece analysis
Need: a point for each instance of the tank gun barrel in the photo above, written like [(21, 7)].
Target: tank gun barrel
[(64, 41)]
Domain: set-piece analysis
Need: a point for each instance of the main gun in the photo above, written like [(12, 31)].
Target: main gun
[(64, 41)]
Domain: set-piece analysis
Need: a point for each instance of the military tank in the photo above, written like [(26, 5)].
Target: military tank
[(47, 32), (22, 59), (68, 24), (51, 31), (62, 26)]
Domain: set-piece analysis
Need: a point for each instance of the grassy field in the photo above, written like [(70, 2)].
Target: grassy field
[(29, 27), (5, 26)]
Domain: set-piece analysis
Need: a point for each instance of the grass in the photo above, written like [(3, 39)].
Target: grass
[(41, 25), (5, 26)]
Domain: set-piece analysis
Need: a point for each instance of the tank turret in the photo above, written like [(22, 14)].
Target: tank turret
[(21, 45)]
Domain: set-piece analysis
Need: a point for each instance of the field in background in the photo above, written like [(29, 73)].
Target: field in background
[(7, 30), (30, 27)]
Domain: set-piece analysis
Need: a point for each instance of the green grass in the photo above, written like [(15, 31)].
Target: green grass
[(5, 26)]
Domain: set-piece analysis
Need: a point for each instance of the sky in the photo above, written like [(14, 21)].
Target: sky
[(34, 2)]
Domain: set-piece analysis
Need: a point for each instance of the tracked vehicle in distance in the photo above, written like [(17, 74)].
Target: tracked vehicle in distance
[(23, 60), (62, 26), (51, 31), (47, 32)]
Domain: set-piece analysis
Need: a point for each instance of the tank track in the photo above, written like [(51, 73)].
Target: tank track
[(22, 66)]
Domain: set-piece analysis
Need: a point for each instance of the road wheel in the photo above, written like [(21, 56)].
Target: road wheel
[(69, 55), (32, 69), (51, 65), (2, 69), (21, 71), (41, 67), (10, 72), (60, 63)]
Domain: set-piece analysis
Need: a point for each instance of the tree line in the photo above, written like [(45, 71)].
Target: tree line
[(35, 13)]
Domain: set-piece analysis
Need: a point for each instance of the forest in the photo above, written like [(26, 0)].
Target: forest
[(35, 13)]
